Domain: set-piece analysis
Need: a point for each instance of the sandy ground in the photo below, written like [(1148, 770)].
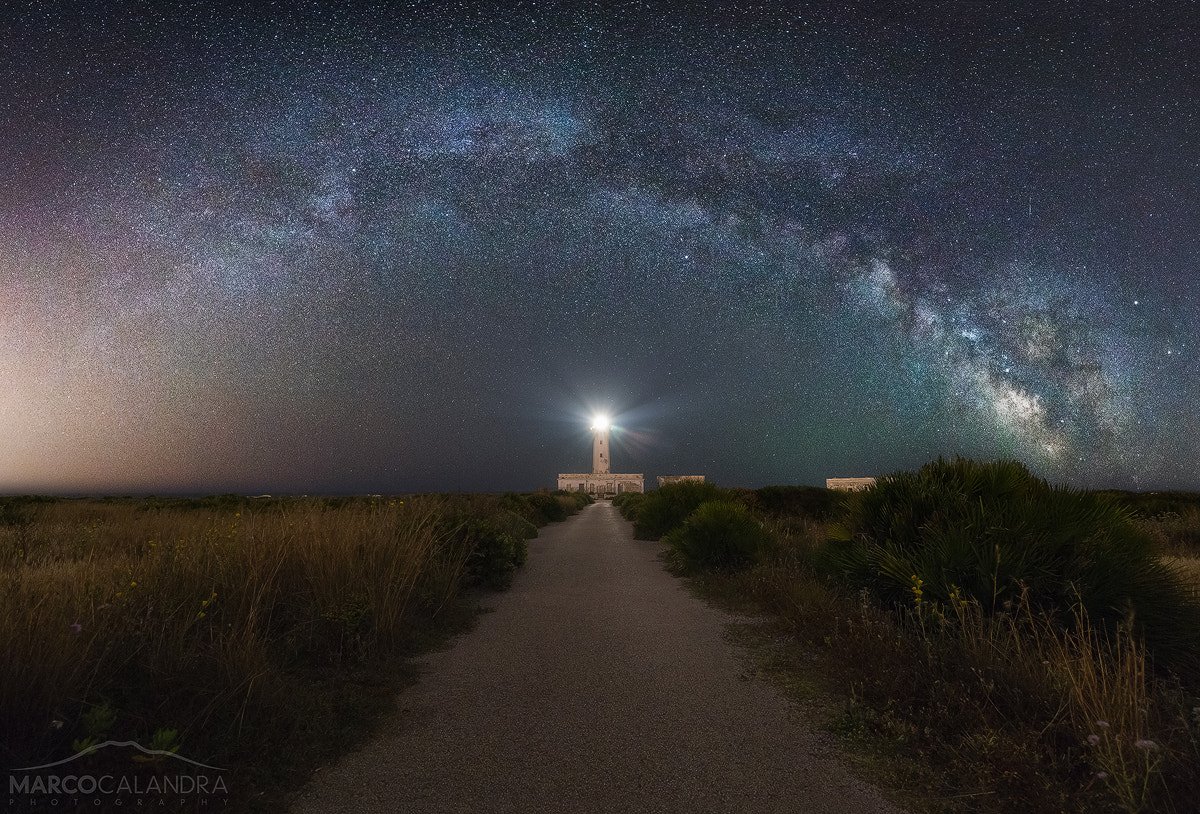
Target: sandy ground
[(595, 684)]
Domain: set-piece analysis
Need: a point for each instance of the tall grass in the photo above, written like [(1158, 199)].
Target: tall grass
[(217, 619)]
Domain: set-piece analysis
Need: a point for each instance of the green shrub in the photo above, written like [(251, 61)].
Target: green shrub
[(20, 511), (719, 535), (569, 506), (495, 555), (668, 506), (630, 504), (520, 506), (548, 507), (995, 533), (540, 508)]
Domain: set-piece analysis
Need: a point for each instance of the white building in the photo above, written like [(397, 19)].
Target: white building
[(663, 480), (600, 481), (849, 484)]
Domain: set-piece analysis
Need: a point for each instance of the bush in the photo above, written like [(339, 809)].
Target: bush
[(495, 555), (719, 535), (548, 507), (20, 510), (630, 504), (578, 499), (538, 509), (668, 506), (998, 535)]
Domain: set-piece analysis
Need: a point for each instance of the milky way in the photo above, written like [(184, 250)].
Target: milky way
[(290, 247)]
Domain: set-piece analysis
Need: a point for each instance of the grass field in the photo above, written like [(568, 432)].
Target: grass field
[(260, 635)]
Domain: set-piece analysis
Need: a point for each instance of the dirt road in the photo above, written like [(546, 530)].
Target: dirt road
[(596, 684)]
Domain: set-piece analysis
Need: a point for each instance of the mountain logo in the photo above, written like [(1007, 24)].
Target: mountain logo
[(97, 747)]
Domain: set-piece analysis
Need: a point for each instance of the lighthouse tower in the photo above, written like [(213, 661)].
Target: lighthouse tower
[(600, 446), (601, 481)]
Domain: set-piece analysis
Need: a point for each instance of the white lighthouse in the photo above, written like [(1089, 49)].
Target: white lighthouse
[(600, 428), (601, 481)]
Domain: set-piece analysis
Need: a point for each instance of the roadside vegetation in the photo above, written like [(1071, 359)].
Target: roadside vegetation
[(993, 643), (263, 635)]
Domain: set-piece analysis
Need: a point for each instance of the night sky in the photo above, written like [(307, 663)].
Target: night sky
[(300, 247)]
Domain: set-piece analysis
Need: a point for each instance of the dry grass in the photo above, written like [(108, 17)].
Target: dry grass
[(1176, 533), (229, 622), (966, 712)]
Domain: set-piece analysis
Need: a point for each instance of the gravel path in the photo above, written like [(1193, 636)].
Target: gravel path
[(596, 684)]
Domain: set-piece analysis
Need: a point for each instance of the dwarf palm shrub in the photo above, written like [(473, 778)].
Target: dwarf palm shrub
[(718, 535), (994, 533)]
